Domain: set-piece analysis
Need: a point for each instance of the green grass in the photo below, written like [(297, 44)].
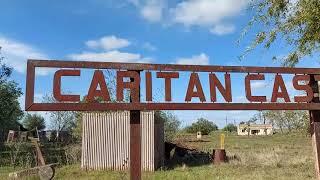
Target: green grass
[(5, 170), (271, 157)]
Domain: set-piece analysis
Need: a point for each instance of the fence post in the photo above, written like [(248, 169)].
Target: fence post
[(135, 142), (315, 125)]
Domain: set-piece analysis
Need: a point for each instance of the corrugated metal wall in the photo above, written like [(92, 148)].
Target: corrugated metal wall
[(106, 140)]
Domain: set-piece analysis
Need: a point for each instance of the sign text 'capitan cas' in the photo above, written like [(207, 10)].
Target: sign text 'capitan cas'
[(218, 81)]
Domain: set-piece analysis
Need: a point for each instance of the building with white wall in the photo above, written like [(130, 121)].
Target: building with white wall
[(255, 129)]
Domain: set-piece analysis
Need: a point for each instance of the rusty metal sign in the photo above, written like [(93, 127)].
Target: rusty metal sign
[(169, 73)]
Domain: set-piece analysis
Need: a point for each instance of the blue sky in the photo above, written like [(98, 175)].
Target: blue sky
[(202, 32)]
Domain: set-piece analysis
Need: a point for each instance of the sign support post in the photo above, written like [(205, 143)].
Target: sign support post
[(315, 126), (135, 145), (135, 141)]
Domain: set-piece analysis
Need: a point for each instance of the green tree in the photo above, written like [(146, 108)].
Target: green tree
[(32, 121), (289, 120), (203, 125), (10, 111), (171, 124), (295, 21), (77, 129), (60, 120), (230, 128), (261, 116), (5, 71)]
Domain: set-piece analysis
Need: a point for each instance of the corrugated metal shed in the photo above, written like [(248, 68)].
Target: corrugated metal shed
[(106, 140)]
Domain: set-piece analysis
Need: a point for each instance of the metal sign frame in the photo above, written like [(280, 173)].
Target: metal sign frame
[(135, 106), (63, 106)]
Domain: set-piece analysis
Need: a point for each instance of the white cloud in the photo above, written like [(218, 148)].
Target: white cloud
[(108, 43), (201, 59), (258, 85), (207, 12), (16, 55), (112, 56), (109, 46), (150, 10), (149, 46), (221, 29), (211, 14)]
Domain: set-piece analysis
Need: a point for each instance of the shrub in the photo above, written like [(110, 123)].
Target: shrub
[(230, 128), (203, 125), (171, 124), (73, 154), (32, 121), (17, 154)]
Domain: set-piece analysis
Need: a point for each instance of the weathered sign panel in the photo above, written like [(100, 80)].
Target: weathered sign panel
[(304, 80), (195, 98)]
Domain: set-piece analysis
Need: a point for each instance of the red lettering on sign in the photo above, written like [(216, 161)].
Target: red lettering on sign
[(57, 85), (307, 101), (302, 87), (249, 96), (167, 76), (195, 82), (278, 83), (133, 86), (215, 83), (148, 86), (98, 79)]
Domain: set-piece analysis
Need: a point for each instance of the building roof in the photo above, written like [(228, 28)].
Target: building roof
[(241, 126)]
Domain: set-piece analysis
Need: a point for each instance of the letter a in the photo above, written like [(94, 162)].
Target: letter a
[(98, 79), (195, 82)]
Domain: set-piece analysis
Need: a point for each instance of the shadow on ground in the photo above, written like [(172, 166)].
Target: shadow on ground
[(176, 155)]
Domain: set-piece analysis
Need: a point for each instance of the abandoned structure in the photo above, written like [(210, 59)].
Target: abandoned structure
[(106, 141), (199, 135), (255, 129), (53, 135), (14, 136)]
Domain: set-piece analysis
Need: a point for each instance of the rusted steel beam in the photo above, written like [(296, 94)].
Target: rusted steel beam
[(57, 85), (135, 131), (148, 86), (135, 145), (249, 95), (315, 139), (170, 67), (315, 127), (30, 84), (91, 106), (167, 76), (170, 106)]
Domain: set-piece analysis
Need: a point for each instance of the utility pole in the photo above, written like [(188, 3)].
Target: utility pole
[(226, 120)]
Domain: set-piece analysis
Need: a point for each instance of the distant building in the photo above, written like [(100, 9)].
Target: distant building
[(199, 135), (52, 135), (15, 136), (255, 129)]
